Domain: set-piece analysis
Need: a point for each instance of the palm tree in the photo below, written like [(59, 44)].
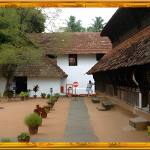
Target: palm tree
[(97, 26), (73, 26)]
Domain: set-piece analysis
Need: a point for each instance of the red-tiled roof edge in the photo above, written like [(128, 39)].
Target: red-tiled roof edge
[(134, 44)]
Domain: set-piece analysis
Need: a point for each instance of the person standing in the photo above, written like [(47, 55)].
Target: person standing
[(89, 88)]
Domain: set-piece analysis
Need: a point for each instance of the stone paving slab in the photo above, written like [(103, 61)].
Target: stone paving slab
[(78, 127), (139, 123), (108, 104), (100, 108), (95, 100)]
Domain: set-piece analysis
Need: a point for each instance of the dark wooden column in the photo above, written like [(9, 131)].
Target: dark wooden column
[(141, 79)]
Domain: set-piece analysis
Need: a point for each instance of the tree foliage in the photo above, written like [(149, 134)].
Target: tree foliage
[(28, 20), (15, 45), (97, 26), (73, 25)]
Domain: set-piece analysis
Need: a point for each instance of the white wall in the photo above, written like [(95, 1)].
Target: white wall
[(2, 84), (44, 83), (76, 73)]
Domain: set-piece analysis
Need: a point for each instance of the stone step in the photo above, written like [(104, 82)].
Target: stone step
[(95, 100), (139, 123), (100, 108), (108, 105)]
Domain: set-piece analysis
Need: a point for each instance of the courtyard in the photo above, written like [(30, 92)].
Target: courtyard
[(106, 126)]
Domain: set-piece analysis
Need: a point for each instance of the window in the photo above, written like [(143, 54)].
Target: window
[(72, 59), (99, 56)]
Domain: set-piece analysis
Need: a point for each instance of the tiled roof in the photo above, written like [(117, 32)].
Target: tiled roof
[(84, 43), (51, 69), (133, 51)]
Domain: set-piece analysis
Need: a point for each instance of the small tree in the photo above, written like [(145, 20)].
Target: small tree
[(15, 45)]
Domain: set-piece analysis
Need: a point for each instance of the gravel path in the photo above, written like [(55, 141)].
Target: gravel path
[(78, 127)]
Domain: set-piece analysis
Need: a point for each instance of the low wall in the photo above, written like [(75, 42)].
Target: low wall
[(126, 108)]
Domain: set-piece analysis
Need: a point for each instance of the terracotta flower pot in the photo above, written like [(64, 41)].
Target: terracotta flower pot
[(48, 108), (51, 105), (43, 97), (24, 140), (22, 98), (35, 96), (33, 130), (9, 99), (43, 115)]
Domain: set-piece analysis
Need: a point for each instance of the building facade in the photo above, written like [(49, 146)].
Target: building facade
[(123, 73), (65, 69)]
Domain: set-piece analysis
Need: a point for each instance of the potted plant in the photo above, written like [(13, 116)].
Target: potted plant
[(6, 140), (9, 93), (36, 111), (52, 99), (43, 95), (48, 96), (43, 112), (33, 121), (24, 137), (37, 106), (50, 103), (47, 107), (26, 95), (22, 95), (29, 91), (57, 95), (35, 89)]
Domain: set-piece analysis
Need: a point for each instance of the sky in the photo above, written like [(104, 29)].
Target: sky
[(85, 15)]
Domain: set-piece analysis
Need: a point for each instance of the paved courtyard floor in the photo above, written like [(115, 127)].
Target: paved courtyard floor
[(71, 121)]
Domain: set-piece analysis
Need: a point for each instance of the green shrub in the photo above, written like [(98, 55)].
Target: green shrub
[(26, 94), (0, 96), (48, 95), (47, 111), (23, 135), (29, 91), (43, 94), (57, 94), (49, 102), (22, 94), (53, 98), (6, 140), (9, 93), (47, 106), (33, 120)]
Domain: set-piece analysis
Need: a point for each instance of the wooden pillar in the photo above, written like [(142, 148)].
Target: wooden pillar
[(140, 78)]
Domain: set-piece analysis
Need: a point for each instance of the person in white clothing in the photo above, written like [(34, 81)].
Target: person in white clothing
[(89, 88)]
